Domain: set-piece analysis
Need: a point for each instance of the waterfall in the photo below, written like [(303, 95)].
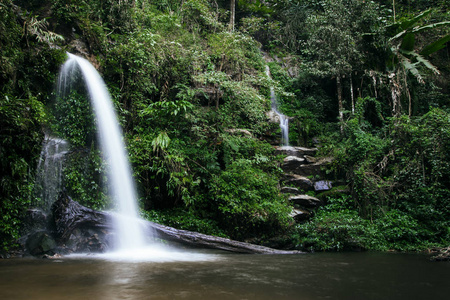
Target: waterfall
[(49, 172), (130, 235), (284, 120)]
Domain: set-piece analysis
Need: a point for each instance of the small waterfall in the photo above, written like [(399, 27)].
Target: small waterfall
[(49, 172), (130, 235), (284, 120)]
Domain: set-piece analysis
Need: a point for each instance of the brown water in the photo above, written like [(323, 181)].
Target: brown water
[(230, 276)]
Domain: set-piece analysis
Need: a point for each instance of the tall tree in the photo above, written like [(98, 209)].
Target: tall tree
[(232, 14), (332, 42)]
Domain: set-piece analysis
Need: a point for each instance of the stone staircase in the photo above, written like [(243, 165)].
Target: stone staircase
[(303, 173)]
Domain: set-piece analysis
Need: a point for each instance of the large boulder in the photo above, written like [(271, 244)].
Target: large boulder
[(40, 242)]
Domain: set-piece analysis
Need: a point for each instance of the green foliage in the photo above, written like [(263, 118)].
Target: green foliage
[(85, 180), (74, 119), (248, 201), (185, 219), (191, 97), (404, 44), (398, 178), (339, 227), (27, 70), (20, 139)]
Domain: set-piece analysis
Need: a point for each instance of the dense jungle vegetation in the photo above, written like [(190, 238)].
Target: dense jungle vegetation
[(368, 79)]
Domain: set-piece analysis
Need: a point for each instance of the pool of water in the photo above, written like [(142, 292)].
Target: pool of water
[(229, 276)]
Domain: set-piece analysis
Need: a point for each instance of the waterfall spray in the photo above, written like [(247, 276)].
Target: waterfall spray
[(130, 235), (49, 172)]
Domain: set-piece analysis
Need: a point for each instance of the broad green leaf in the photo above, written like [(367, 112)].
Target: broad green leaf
[(408, 42), (425, 62), (436, 46), (407, 24)]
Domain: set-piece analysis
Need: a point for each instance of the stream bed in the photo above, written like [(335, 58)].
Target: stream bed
[(229, 276)]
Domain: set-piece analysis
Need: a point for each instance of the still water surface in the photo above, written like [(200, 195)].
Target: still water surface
[(230, 276)]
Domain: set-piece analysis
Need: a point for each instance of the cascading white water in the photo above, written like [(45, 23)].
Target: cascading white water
[(130, 235), (284, 120), (49, 172)]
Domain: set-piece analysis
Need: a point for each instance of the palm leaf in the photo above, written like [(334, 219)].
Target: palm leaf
[(435, 46), (430, 26)]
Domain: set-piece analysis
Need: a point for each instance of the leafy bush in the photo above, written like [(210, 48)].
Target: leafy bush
[(185, 219), (248, 201)]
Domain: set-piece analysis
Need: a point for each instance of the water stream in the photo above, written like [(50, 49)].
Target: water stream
[(283, 120), (130, 235)]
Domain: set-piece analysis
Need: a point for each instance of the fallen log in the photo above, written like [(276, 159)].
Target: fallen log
[(81, 229)]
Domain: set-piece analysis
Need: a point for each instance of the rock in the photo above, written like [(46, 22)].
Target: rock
[(290, 163), (443, 255), (305, 201), (40, 242), (315, 169), (273, 117), (290, 190), (54, 256), (310, 159), (322, 185), (301, 182), (295, 151), (300, 215), (35, 220)]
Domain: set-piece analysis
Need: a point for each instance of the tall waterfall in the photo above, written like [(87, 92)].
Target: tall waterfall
[(49, 172), (130, 235), (284, 120)]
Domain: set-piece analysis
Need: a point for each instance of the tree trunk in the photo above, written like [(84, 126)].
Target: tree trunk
[(87, 230), (341, 106), (352, 95), (232, 14)]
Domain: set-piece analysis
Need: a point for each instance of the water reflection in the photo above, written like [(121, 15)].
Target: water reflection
[(318, 276)]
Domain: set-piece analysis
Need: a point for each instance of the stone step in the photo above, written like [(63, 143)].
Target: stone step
[(297, 181), (300, 215), (313, 169), (290, 190), (291, 163), (305, 201), (295, 151)]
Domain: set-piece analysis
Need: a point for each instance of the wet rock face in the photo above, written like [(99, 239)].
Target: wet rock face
[(40, 242), (36, 219)]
